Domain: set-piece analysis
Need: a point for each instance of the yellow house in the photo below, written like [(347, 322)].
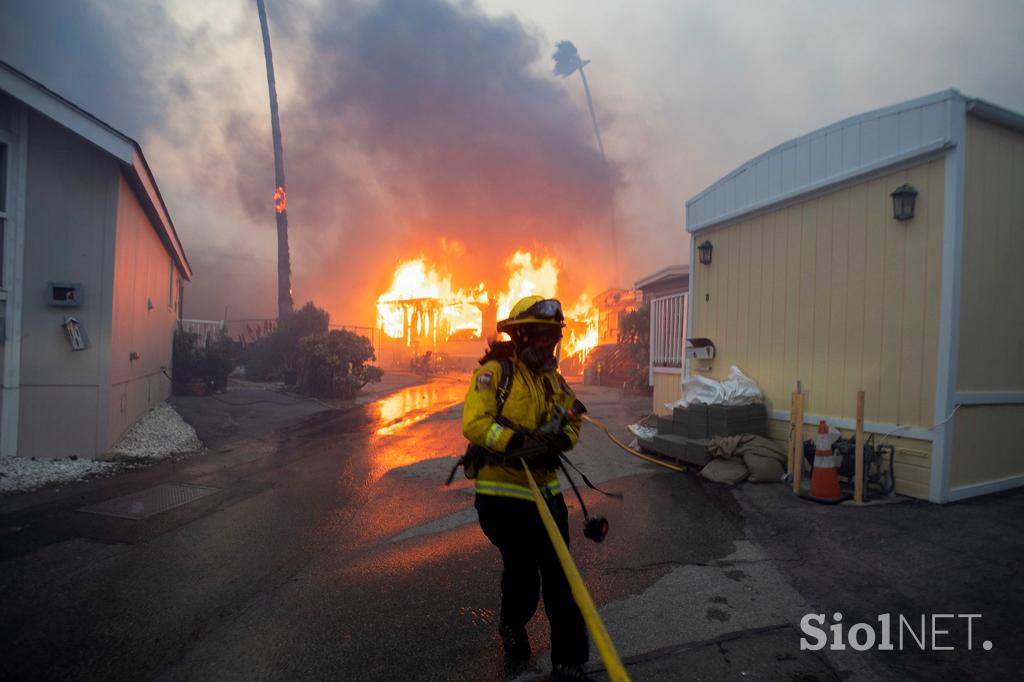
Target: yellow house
[(814, 278)]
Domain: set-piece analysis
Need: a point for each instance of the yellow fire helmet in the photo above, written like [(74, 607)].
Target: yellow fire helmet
[(534, 310)]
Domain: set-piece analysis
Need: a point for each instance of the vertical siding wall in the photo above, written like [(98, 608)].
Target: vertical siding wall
[(991, 354), (836, 293), (141, 276), (70, 209), (667, 389)]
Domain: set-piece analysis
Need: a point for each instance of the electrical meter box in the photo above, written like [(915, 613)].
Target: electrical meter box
[(64, 294)]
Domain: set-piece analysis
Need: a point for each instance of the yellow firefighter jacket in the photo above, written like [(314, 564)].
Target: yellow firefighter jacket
[(530, 404)]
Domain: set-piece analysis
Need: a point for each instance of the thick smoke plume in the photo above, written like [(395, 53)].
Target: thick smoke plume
[(417, 121), (409, 127)]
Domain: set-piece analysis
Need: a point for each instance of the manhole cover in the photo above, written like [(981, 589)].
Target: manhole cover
[(146, 503)]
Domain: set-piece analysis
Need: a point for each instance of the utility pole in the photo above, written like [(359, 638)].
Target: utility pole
[(284, 269)]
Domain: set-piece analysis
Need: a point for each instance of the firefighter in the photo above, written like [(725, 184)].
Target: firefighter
[(532, 413)]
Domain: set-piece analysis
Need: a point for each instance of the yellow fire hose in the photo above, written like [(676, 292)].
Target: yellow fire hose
[(602, 640), (628, 449)]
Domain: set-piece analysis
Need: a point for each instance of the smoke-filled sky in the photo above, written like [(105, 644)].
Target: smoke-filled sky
[(438, 127)]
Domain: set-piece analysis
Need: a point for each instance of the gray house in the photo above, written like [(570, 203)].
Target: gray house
[(91, 277)]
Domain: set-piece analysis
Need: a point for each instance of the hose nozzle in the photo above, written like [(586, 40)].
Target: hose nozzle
[(595, 528)]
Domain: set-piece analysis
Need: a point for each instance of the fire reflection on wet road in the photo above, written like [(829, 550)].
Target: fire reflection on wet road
[(401, 438), (334, 550)]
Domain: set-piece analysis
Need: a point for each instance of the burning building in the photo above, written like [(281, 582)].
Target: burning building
[(424, 311)]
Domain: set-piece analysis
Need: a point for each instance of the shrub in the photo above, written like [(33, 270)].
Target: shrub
[(186, 359), (219, 359), (275, 355), (261, 360), (210, 363), (333, 364)]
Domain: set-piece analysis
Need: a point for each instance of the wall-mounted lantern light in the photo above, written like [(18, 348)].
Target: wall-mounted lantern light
[(903, 198), (705, 252)]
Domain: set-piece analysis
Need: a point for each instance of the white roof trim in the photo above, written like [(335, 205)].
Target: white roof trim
[(996, 114), (51, 105), (665, 273), (852, 147), (126, 150)]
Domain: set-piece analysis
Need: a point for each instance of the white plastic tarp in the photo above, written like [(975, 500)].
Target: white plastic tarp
[(737, 389)]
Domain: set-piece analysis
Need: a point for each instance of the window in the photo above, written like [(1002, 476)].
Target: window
[(668, 329)]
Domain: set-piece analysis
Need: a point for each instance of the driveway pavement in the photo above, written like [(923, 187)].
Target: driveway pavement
[(330, 549)]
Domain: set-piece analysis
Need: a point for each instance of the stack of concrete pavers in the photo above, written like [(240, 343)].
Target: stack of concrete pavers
[(685, 436), (732, 420)]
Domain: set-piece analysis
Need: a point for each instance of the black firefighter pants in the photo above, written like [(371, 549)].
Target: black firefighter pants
[(515, 528)]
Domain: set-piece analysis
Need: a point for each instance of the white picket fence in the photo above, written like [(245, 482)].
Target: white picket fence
[(207, 330)]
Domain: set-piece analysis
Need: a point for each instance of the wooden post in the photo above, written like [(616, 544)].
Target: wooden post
[(790, 456), (798, 463), (858, 490)]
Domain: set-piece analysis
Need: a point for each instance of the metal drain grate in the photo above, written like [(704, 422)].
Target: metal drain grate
[(147, 503)]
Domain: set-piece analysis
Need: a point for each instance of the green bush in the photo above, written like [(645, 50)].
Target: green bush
[(220, 357), (186, 359), (333, 364), (275, 356), (261, 360), (210, 363)]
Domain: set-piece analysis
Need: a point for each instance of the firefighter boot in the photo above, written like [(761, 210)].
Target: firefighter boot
[(515, 640), (568, 672)]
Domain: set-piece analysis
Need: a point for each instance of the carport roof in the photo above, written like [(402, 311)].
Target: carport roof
[(670, 273), (126, 150)]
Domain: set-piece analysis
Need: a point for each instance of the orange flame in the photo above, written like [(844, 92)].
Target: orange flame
[(530, 277), (423, 306), (280, 200), (581, 332), (421, 303)]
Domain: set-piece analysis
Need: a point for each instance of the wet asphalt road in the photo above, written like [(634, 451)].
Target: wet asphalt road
[(331, 551)]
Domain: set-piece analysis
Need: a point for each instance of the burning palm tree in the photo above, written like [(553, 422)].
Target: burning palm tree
[(567, 61), (284, 269)]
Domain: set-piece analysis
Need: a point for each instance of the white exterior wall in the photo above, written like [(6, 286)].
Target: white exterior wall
[(70, 214), (144, 314)]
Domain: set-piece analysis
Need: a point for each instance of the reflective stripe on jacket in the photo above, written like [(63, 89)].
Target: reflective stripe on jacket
[(528, 406)]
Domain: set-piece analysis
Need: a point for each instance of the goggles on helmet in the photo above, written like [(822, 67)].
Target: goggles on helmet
[(548, 309)]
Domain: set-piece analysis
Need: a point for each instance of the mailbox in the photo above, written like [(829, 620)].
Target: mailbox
[(700, 349), (75, 333)]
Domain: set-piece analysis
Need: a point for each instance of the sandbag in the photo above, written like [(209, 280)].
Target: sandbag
[(763, 469), (762, 457), (727, 446), (722, 470)]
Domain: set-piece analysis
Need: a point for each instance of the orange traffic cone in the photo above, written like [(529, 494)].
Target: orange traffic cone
[(825, 477)]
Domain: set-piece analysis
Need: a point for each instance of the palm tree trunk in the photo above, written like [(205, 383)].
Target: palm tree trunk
[(284, 270), (600, 146), (593, 118)]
